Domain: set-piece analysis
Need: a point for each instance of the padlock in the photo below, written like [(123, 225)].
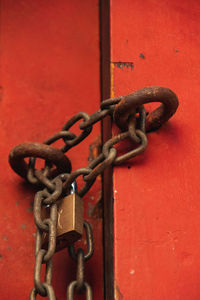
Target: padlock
[(70, 221)]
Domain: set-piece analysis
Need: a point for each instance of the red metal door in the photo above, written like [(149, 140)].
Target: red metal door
[(156, 195), (49, 72)]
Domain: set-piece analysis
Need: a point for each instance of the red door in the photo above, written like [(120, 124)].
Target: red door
[(51, 68), (49, 72), (156, 195)]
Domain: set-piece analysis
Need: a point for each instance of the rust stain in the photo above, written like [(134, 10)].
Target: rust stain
[(118, 293), (97, 212), (23, 226), (142, 56), (124, 64), (5, 238), (29, 209), (94, 149)]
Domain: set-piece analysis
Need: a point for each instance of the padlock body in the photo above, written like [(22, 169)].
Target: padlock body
[(70, 221)]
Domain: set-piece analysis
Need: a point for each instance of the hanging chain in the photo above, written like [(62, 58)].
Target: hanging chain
[(129, 114)]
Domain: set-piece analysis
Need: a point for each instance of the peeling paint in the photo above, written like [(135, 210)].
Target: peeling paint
[(142, 56), (23, 226), (29, 209), (123, 64), (132, 272), (5, 238), (118, 293), (94, 149)]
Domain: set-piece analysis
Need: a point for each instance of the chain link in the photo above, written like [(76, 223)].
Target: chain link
[(55, 178), (80, 285)]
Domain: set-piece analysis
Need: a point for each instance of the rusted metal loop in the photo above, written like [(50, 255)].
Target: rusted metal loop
[(59, 135), (155, 119), (40, 176), (39, 197), (108, 103), (120, 137), (95, 117), (81, 136), (38, 201), (58, 187), (51, 238), (80, 271), (39, 286), (37, 150), (86, 188), (90, 244), (71, 288), (133, 121), (72, 177), (49, 292), (142, 118), (106, 161)]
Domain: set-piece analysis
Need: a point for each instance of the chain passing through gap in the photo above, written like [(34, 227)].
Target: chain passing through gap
[(56, 202)]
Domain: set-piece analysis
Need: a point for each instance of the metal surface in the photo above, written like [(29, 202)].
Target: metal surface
[(157, 194), (64, 225), (80, 285), (42, 57), (155, 119), (50, 154)]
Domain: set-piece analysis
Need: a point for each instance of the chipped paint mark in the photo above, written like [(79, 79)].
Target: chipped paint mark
[(142, 56), (123, 64), (1, 256), (34, 234), (177, 51), (132, 272), (97, 212), (115, 191), (9, 248), (5, 238), (90, 209), (94, 149), (23, 226), (118, 293), (17, 203), (29, 209)]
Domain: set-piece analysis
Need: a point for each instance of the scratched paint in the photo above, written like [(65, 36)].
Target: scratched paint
[(122, 65)]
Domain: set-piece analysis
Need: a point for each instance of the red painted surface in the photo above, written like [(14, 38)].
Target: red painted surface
[(156, 200), (49, 71)]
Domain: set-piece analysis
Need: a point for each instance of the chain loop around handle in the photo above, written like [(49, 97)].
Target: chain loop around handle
[(46, 152), (155, 119), (130, 115)]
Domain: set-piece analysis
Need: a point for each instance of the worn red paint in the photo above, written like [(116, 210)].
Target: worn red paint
[(49, 72), (156, 196)]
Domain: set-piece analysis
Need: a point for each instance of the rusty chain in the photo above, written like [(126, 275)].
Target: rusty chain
[(55, 178)]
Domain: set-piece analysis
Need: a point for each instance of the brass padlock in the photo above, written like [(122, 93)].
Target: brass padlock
[(70, 221)]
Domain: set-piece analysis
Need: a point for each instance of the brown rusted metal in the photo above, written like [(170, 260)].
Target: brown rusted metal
[(52, 155), (58, 180), (155, 119)]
